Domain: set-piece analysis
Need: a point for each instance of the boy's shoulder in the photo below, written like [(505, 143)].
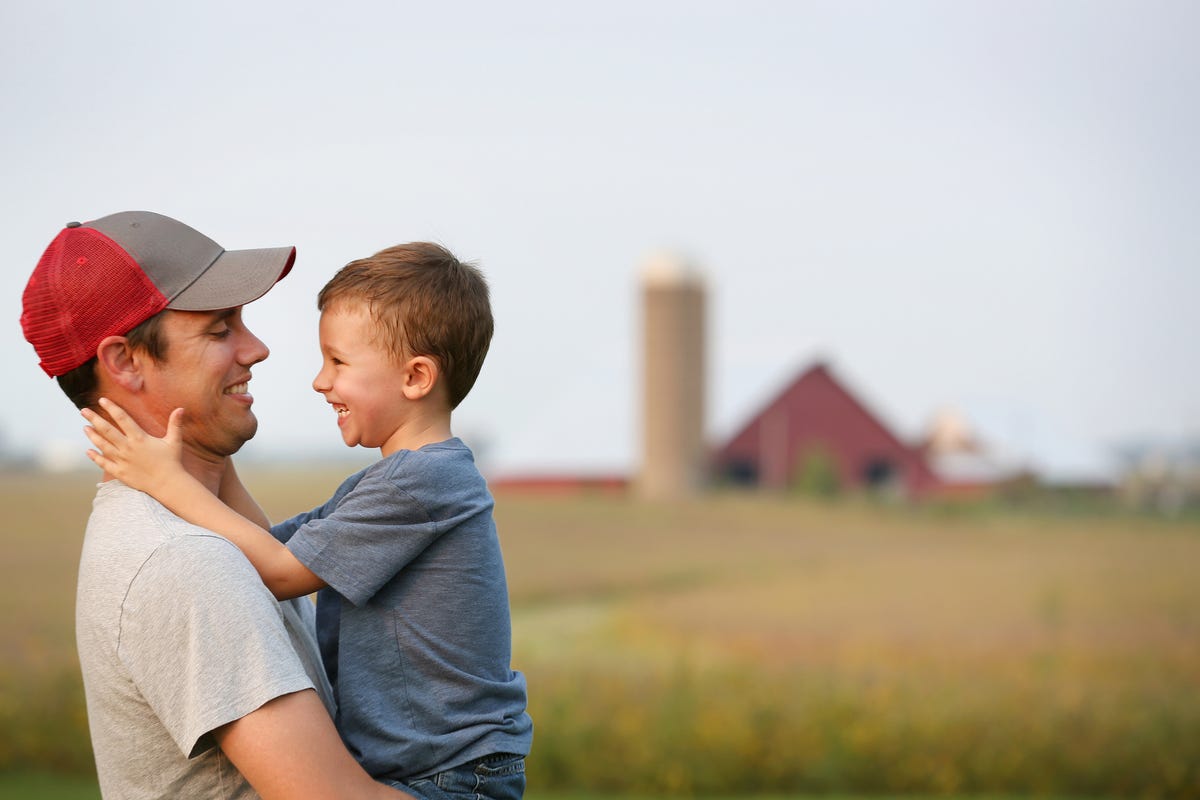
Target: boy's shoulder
[(453, 452), (443, 470), (430, 465)]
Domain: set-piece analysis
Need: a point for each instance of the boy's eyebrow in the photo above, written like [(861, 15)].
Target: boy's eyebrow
[(332, 349)]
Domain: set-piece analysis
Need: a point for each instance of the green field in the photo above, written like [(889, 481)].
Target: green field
[(749, 645)]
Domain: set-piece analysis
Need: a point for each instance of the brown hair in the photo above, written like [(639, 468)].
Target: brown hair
[(424, 301), (79, 385)]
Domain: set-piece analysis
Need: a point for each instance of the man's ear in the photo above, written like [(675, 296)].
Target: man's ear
[(421, 375), (120, 363)]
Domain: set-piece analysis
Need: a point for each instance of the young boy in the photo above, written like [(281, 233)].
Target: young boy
[(412, 614)]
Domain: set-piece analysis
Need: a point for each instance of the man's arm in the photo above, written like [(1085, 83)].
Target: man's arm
[(288, 749)]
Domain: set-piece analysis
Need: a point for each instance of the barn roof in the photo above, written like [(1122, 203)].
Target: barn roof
[(817, 413)]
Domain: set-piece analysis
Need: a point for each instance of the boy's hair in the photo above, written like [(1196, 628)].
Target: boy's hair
[(79, 384), (424, 301)]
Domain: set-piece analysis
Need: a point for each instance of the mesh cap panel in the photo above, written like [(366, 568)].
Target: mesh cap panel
[(68, 301)]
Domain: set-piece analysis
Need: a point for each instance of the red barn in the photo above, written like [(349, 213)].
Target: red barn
[(816, 426)]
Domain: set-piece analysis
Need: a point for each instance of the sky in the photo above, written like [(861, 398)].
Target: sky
[(987, 206)]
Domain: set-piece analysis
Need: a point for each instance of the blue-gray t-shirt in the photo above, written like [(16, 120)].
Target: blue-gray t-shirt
[(414, 627)]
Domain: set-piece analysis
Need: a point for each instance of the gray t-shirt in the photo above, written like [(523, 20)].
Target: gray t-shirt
[(177, 636), (415, 633)]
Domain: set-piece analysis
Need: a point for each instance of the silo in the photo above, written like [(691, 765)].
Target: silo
[(674, 457)]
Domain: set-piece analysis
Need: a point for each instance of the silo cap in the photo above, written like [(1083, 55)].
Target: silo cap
[(670, 269)]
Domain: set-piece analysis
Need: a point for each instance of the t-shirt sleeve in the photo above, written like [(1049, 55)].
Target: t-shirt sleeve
[(204, 640), (375, 530), (283, 531)]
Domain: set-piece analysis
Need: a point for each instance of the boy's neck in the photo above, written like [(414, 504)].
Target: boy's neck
[(418, 432)]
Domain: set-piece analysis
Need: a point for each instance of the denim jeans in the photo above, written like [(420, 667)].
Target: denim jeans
[(495, 777)]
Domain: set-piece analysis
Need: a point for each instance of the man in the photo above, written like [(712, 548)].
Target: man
[(191, 668)]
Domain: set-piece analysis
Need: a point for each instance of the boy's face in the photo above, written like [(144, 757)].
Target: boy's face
[(360, 379)]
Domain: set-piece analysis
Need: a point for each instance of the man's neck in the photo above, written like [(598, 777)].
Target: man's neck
[(205, 468)]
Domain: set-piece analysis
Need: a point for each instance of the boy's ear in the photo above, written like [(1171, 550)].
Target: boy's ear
[(119, 362), (421, 375)]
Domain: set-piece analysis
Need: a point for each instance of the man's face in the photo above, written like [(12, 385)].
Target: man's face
[(206, 371)]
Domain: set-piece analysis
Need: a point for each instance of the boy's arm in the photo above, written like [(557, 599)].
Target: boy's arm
[(234, 494), (152, 465), (288, 749), (282, 573)]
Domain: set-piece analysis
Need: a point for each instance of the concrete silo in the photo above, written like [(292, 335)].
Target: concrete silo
[(674, 456)]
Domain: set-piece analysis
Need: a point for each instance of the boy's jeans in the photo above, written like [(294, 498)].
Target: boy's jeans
[(495, 777)]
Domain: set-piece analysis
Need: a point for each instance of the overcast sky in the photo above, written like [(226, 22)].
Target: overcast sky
[(985, 205)]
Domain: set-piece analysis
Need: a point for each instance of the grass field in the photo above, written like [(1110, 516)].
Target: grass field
[(747, 645)]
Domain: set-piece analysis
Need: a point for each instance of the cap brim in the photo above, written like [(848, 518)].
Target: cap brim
[(237, 277)]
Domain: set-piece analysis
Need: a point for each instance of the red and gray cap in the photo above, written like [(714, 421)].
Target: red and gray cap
[(106, 277)]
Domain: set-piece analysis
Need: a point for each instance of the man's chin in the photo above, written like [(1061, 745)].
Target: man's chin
[(249, 432), (245, 433)]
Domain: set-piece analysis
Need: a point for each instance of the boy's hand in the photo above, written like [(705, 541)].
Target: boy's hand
[(128, 453)]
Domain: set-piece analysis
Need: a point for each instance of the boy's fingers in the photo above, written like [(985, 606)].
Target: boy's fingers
[(123, 421), (95, 436), (102, 462), (98, 422), (101, 443), (175, 426), (100, 428), (112, 433), (114, 410)]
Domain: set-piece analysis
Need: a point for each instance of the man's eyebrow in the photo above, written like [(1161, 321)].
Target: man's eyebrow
[(223, 314)]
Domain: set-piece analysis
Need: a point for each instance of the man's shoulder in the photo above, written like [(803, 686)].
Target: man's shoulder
[(131, 526), (206, 550)]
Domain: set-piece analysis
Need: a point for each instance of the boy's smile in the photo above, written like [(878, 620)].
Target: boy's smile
[(361, 381)]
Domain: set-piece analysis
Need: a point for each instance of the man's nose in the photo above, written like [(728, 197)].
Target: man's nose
[(253, 350)]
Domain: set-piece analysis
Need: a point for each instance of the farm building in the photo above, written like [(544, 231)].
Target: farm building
[(816, 432), (965, 465)]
